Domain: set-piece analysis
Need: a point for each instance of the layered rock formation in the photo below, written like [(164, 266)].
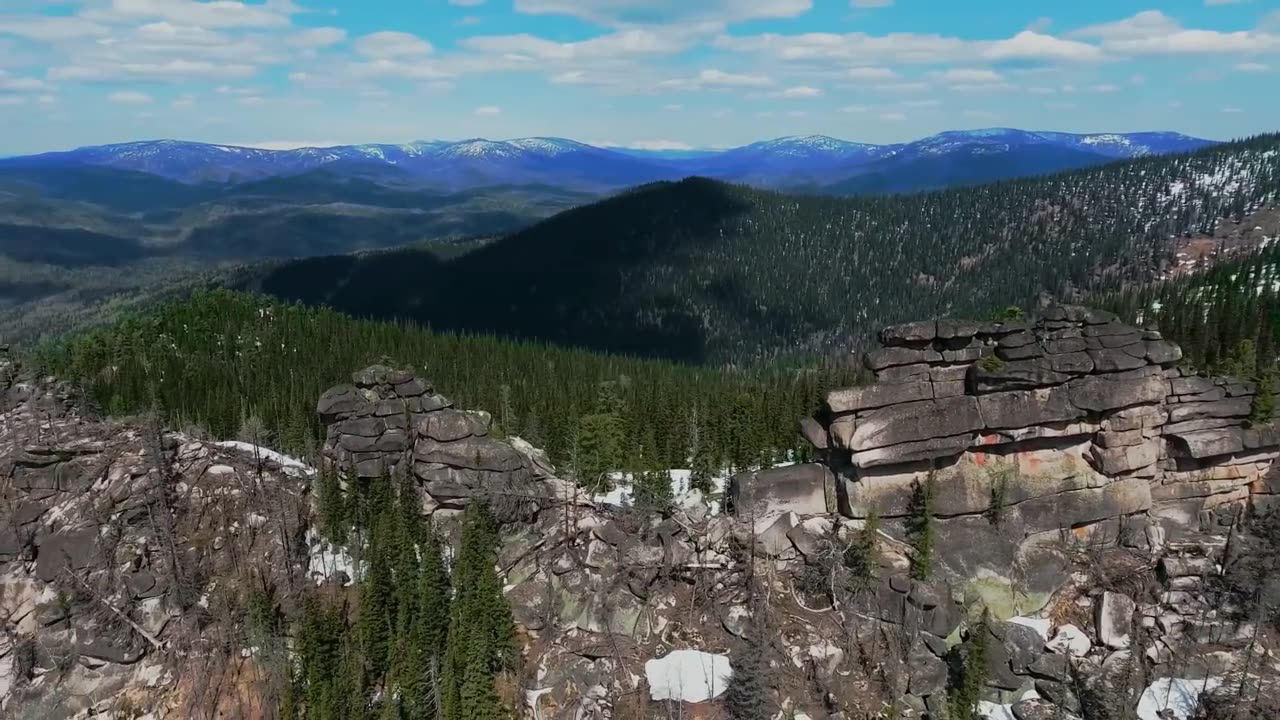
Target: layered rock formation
[(390, 421), (1072, 428)]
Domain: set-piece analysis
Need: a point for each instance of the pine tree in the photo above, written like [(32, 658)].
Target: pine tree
[(920, 527), (376, 599), (747, 696), (969, 676), (334, 519)]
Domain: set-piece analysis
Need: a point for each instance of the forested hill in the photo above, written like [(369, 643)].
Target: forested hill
[(704, 271), (1227, 319)]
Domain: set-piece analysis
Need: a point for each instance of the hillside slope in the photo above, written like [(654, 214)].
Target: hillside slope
[(700, 270)]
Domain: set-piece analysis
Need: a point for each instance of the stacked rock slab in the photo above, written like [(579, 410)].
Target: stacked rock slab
[(389, 421), (1073, 423)]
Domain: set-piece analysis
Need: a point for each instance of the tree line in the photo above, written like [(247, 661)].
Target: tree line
[(221, 359)]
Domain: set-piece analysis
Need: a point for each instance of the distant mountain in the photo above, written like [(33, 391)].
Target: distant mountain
[(784, 163), (700, 270)]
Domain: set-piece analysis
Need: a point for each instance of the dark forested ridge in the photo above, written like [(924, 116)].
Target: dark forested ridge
[(703, 271), (222, 357)]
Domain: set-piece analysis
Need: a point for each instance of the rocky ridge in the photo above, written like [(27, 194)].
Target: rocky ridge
[(123, 581)]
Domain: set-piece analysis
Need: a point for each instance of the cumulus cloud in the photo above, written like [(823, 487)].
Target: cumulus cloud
[(19, 84), (1030, 45), (391, 45), (316, 38), (1151, 32), (872, 74), (129, 97), (713, 78), (801, 91), (51, 27), (709, 13), (217, 14)]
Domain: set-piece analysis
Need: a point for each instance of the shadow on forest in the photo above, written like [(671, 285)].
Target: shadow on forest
[(589, 277)]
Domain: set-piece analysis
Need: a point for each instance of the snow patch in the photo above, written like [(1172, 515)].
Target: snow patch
[(1040, 625), (1179, 696), (291, 466), (690, 676)]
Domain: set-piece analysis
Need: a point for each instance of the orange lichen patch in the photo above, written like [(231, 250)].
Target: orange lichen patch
[(979, 458), (1081, 533), (234, 688)]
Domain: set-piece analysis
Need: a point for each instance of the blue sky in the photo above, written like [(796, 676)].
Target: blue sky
[(640, 73)]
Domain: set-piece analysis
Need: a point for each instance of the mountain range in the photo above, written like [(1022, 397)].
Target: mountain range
[(813, 163)]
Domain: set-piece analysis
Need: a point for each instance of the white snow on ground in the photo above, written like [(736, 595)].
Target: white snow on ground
[(992, 711), (284, 461), (1179, 695), (690, 676), (621, 494), (1040, 625), (1070, 639)]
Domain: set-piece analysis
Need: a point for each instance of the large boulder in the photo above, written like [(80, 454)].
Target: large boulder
[(800, 489)]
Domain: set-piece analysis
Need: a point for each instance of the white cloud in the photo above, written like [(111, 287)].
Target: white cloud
[(710, 13), (1215, 3), (316, 38), (1030, 45), (50, 27), (215, 14), (11, 100), (713, 78), (1231, 110), (489, 110), (1251, 67), (129, 97), (872, 74), (798, 113), (801, 91), (620, 44), (870, 3), (19, 84), (854, 109), (1151, 32), (390, 44), (1060, 105), (658, 145), (969, 75), (893, 116), (466, 3), (673, 107), (183, 102), (1105, 88)]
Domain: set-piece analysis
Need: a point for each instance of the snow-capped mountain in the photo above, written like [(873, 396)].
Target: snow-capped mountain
[(812, 161)]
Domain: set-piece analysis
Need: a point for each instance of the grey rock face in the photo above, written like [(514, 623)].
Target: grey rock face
[(799, 489)]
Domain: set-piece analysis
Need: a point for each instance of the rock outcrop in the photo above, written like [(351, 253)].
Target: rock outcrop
[(390, 421), (1072, 428), (124, 549)]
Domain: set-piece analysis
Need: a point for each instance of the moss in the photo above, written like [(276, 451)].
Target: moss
[(992, 364)]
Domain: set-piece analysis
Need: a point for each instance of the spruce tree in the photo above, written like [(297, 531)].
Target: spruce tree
[(747, 696), (969, 677), (376, 599), (920, 527)]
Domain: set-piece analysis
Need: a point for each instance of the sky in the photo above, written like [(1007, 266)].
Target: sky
[(655, 74)]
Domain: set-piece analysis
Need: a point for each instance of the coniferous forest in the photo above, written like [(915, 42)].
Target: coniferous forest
[(1226, 318), (422, 637), (224, 361)]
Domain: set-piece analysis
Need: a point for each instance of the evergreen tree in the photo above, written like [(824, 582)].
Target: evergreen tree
[(747, 696), (376, 599), (920, 527), (969, 671)]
